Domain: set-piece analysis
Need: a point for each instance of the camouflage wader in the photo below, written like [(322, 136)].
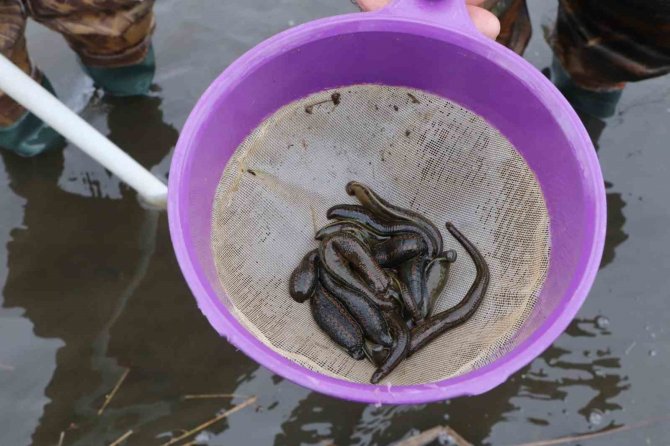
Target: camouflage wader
[(601, 44), (605, 43), (515, 28), (105, 34)]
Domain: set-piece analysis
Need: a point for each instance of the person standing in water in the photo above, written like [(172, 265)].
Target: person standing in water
[(112, 39), (598, 46)]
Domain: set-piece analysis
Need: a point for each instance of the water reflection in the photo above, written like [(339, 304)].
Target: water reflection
[(616, 219), (569, 388), (80, 278), (595, 369), (321, 420), (536, 400)]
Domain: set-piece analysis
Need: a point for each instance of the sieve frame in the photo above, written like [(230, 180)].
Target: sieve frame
[(421, 18)]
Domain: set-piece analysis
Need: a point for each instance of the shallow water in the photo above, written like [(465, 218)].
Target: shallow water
[(90, 285)]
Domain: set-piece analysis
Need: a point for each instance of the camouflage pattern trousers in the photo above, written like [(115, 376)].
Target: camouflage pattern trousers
[(103, 33), (601, 44)]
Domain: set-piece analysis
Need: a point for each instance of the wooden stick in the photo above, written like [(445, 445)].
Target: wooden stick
[(206, 424), (120, 440), (573, 438), (433, 434), (207, 396), (109, 397), (61, 438), (460, 441)]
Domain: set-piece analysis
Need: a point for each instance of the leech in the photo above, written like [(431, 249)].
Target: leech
[(304, 278), (337, 323), (384, 209), (382, 227), (436, 325)]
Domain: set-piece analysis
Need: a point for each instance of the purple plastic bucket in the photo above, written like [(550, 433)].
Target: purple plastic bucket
[(422, 44)]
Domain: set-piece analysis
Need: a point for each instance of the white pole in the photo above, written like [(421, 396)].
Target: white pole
[(24, 90)]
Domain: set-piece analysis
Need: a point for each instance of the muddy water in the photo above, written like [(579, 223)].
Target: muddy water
[(90, 286)]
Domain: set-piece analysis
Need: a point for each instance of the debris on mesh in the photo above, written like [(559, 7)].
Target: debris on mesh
[(420, 152)]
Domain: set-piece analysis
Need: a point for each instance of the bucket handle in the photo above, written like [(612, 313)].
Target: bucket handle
[(451, 14), (35, 98)]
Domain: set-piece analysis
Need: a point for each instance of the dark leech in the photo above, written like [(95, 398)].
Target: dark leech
[(347, 274), (412, 273), (436, 325), (337, 323), (348, 226), (393, 292), (380, 226), (437, 274), (399, 350), (384, 209), (345, 249), (368, 316), (396, 250), (407, 299), (376, 353), (304, 278)]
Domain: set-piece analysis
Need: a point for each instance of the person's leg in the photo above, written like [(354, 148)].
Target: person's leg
[(599, 46), (112, 39), (515, 26), (21, 131), (13, 47)]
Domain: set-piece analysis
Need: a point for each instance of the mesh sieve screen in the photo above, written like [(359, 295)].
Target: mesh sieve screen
[(418, 151)]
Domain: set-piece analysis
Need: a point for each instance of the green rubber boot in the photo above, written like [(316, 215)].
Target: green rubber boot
[(133, 80), (29, 136), (598, 104)]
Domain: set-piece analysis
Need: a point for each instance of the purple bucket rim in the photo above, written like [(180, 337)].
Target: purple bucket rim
[(474, 382)]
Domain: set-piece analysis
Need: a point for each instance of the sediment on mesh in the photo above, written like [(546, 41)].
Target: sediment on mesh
[(418, 151)]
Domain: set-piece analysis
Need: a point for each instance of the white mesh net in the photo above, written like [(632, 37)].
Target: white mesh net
[(416, 150)]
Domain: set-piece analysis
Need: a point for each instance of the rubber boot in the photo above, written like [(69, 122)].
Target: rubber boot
[(29, 136), (598, 104), (133, 80), (594, 124)]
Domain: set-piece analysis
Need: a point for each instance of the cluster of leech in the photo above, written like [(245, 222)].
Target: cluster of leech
[(374, 280)]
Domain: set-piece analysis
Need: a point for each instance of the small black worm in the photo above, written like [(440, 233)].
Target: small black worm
[(347, 226), (437, 274), (398, 249), (304, 278), (350, 263), (399, 350), (337, 323), (380, 226), (412, 273), (368, 316), (384, 209), (436, 325)]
